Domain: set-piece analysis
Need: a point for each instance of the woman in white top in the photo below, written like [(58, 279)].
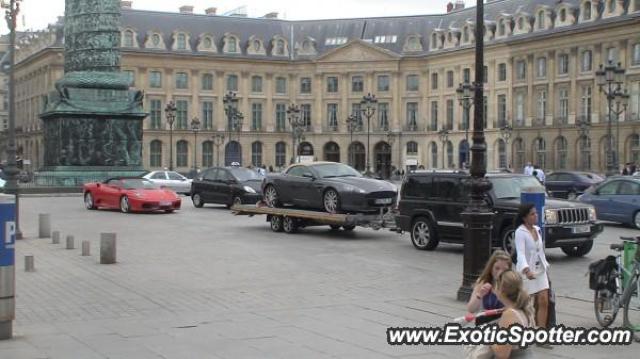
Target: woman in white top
[(532, 262)]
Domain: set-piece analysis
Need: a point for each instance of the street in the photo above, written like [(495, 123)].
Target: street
[(202, 283)]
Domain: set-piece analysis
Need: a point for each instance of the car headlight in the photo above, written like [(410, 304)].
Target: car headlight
[(592, 214), (550, 216), (249, 189)]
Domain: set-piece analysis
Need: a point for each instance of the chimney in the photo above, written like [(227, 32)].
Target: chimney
[(271, 15), (126, 4), (211, 11), (186, 9), (459, 5), (449, 7)]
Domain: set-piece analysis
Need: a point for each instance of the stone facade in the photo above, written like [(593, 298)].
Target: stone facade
[(541, 80)]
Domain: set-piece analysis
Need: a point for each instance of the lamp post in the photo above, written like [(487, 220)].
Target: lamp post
[(444, 137), (477, 217), (622, 102), (170, 113), (505, 133), (195, 127), (610, 79), (464, 93), (368, 102), (390, 141), (235, 118), (583, 126), (352, 126), (297, 128), (218, 140)]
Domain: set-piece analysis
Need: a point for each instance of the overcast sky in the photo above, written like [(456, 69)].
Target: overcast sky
[(37, 14)]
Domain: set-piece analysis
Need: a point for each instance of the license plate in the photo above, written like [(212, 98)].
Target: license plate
[(581, 229), (383, 201), (165, 203)]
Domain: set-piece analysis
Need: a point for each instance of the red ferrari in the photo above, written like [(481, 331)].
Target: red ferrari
[(130, 195)]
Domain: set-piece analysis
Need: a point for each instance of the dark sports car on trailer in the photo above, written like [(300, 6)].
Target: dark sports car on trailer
[(329, 186), (130, 195)]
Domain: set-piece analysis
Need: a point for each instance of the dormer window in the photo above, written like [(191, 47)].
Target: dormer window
[(465, 35), (586, 11), (181, 42), (155, 40), (612, 6), (521, 23), (540, 21), (413, 43), (434, 41), (306, 45), (501, 28), (232, 46), (280, 47), (563, 15), (257, 45), (207, 43), (128, 38)]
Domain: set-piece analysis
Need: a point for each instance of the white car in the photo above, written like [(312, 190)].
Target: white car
[(170, 179)]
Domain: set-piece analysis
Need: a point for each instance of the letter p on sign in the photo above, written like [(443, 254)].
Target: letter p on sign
[(9, 234)]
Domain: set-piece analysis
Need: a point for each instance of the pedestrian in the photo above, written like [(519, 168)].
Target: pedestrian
[(510, 290), (539, 174), (528, 169), (270, 168), (532, 263), (483, 295), (626, 169)]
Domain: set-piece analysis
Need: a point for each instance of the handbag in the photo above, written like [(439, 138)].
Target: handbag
[(551, 315), (477, 351)]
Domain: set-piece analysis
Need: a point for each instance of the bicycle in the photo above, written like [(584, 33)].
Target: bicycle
[(621, 288)]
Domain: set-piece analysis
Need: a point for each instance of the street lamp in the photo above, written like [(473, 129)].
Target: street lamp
[(390, 141), (352, 126), (477, 217), (296, 122), (218, 140), (444, 136), (505, 133), (195, 127), (583, 126), (235, 118), (622, 102), (170, 114), (610, 79), (465, 98), (368, 109)]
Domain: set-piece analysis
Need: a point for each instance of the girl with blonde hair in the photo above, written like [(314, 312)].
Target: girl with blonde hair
[(483, 296)]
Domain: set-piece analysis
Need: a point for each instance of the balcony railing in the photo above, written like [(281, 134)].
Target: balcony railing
[(538, 122), (560, 121), (433, 127), (411, 127), (583, 118)]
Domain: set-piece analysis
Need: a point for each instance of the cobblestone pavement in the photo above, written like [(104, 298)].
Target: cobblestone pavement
[(202, 283)]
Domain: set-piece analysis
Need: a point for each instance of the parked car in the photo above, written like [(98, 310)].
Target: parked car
[(226, 185), (329, 186), (617, 200), (130, 195), (570, 184), (171, 179), (431, 204)]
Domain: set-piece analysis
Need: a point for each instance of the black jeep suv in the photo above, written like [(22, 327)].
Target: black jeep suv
[(431, 204)]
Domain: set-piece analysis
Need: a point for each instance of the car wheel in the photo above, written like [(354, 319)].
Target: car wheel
[(571, 196), (331, 201), (422, 234), (271, 197), (636, 220), (349, 228), (508, 242), (276, 223), (197, 200), (125, 207), (88, 201), (335, 227), (579, 250), (289, 225), (168, 211), (237, 201)]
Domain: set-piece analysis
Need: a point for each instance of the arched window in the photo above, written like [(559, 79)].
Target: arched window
[(207, 154), (501, 28), (332, 152), (540, 154), (155, 153), (181, 42), (586, 11), (634, 148), (434, 155), (256, 153), (281, 154), (449, 154), (182, 154), (585, 153), (207, 43), (563, 15), (155, 40), (561, 153), (280, 47), (540, 20), (412, 148), (128, 38), (232, 45)]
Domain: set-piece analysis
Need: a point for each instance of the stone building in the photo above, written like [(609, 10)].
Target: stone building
[(541, 57)]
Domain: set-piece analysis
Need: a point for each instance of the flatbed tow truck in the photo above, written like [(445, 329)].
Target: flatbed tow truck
[(289, 220)]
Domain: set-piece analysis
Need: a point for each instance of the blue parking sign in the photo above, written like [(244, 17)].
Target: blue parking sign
[(7, 233)]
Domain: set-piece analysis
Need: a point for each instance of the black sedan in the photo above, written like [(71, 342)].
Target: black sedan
[(570, 184), (226, 185), (329, 186)]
